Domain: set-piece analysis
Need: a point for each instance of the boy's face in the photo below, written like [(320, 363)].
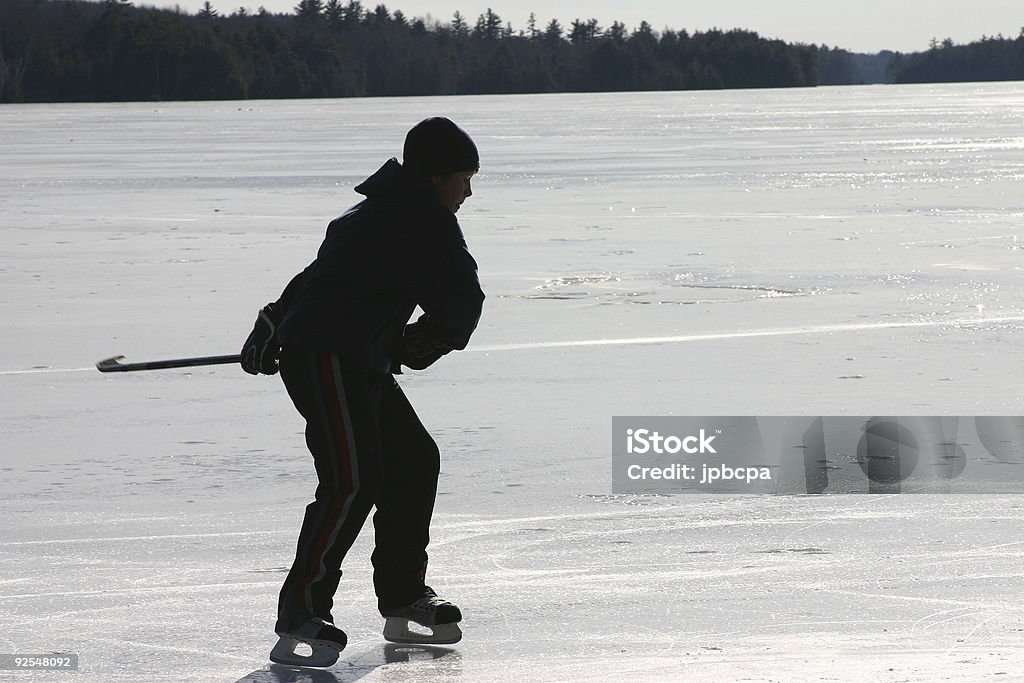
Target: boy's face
[(454, 188)]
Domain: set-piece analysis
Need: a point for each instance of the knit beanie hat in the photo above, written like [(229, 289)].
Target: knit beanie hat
[(436, 146)]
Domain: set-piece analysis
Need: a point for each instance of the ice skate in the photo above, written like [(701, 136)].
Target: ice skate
[(438, 616), (324, 638)]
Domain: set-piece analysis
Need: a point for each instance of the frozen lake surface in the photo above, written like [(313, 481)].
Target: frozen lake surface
[(830, 251)]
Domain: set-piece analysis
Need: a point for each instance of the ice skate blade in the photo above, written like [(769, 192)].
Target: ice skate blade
[(284, 653), (396, 630)]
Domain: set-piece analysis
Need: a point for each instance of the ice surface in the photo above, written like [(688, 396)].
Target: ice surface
[(808, 252)]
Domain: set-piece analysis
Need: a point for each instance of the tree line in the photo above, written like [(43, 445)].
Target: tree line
[(990, 59), (70, 50)]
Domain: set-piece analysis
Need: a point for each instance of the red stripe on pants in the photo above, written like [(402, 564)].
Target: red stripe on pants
[(340, 425)]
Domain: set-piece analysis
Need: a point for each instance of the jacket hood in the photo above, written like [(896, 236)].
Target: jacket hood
[(392, 178)]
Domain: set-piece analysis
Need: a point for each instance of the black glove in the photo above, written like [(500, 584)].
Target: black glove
[(261, 349), (418, 349)]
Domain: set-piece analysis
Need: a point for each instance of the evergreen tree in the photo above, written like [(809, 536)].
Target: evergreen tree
[(458, 26), (488, 26), (577, 32), (617, 32), (553, 31), (334, 13), (309, 10), (380, 16), (353, 13)]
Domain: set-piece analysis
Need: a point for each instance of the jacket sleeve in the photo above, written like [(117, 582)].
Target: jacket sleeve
[(445, 283), (291, 291)]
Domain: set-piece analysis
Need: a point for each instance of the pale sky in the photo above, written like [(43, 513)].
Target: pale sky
[(857, 25)]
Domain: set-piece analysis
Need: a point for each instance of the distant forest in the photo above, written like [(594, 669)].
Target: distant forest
[(71, 50)]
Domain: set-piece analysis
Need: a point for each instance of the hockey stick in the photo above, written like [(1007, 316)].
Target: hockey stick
[(114, 364)]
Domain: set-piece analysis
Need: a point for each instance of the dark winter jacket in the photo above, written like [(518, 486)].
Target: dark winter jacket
[(399, 248)]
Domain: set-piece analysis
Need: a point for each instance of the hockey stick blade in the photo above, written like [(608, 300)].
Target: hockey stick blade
[(114, 363)]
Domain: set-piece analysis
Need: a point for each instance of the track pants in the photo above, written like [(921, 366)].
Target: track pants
[(370, 449)]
